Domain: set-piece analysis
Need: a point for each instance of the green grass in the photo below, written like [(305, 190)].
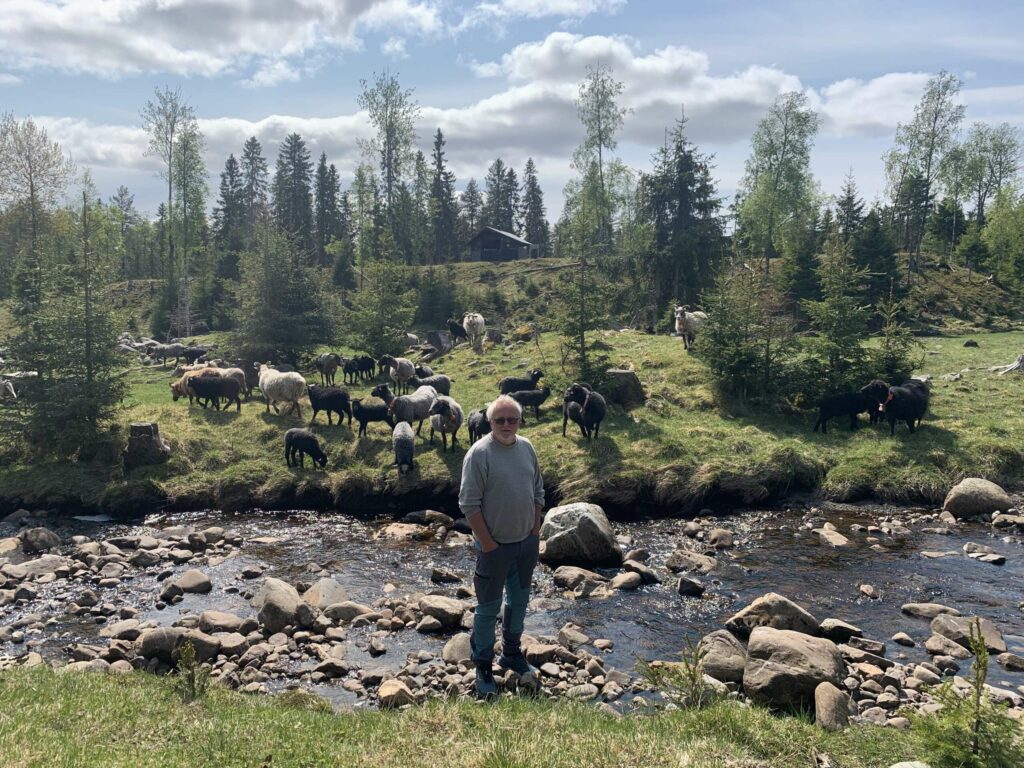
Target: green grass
[(83, 719)]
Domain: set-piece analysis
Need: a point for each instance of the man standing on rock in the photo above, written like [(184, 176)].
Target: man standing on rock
[(502, 495)]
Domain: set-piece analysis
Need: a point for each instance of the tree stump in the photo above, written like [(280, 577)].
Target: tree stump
[(1017, 365), (624, 388), (145, 446)]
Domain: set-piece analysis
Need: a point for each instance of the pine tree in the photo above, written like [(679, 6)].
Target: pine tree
[(799, 278), (535, 223), (383, 309), (229, 219), (327, 217), (511, 210), (492, 214), (254, 188), (874, 252), (972, 251), (293, 197), (849, 209), (443, 207)]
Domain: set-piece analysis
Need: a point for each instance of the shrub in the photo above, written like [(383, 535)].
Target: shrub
[(681, 682), (192, 679)]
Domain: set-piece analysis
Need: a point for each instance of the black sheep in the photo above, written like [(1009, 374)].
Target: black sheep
[(364, 414), (297, 443), (330, 399), (592, 405), (424, 370), (511, 384), (439, 381), (532, 397), (192, 354), (573, 411), (367, 365), (214, 388), (877, 391), (907, 403), (457, 331), (843, 404), (478, 425)]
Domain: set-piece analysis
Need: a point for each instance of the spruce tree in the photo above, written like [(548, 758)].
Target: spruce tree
[(492, 214), (254, 188), (293, 197), (325, 196), (874, 252), (229, 219), (849, 209), (535, 223), (443, 206)]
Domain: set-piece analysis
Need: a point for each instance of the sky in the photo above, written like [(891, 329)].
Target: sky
[(499, 77)]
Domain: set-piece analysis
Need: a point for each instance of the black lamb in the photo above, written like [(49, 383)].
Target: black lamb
[(216, 387), (511, 384), (364, 414), (593, 409), (457, 331), (440, 382), (868, 398), (424, 370), (332, 400), (532, 397), (297, 443), (478, 425), (877, 391)]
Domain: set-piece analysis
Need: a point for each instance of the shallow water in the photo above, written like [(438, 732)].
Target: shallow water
[(774, 552)]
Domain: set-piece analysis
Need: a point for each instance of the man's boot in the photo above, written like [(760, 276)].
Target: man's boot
[(512, 657), (486, 688)]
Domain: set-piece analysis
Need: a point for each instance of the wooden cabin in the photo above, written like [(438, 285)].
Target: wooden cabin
[(490, 244)]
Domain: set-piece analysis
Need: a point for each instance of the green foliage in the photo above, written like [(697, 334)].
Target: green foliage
[(1004, 238), (438, 298), (895, 358), (972, 251), (583, 309), (969, 731), (873, 251), (192, 679), (799, 275), (681, 682), (381, 311)]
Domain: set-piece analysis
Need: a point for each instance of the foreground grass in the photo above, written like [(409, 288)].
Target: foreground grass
[(681, 450), (55, 720)]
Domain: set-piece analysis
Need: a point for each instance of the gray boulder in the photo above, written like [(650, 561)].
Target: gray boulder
[(445, 609), (278, 605), (976, 497), (623, 387), (325, 592), (38, 540), (958, 629), (725, 658), (219, 621), (570, 576), (831, 707), (785, 667), (160, 643), (579, 534), (194, 580), (775, 611)]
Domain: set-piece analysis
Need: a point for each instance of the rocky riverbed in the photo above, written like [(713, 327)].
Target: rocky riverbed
[(369, 612)]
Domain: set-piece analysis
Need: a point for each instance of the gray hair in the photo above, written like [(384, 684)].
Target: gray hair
[(504, 400)]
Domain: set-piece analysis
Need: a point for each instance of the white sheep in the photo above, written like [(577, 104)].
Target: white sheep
[(281, 386), (446, 418), (401, 370), (688, 323), (474, 324), (408, 408)]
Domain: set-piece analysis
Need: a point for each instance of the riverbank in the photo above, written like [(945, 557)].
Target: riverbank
[(678, 453), (91, 720)]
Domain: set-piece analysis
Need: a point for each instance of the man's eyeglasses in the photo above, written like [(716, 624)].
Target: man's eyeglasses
[(501, 421)]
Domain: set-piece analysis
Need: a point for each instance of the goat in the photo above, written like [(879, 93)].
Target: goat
[(593, 408), (401, 370), (364, 414), (473, 322), (297, 443), (330, 399), (511, 384), (281, 386), (440, 382), (408, 408), (688, 323), (445, 417), (327, 365), (404, 444), (534, 397)]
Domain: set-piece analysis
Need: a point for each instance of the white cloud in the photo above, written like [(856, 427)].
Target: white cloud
[(112, 38), (870, 107), (497, 12), (394, 47), (272, 73), (8, 79)]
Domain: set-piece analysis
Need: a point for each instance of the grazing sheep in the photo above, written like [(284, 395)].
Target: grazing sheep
[(877, 392), (446, 418), (457, 331), (192, 354), (164, 351), (180, 387), (327, 365), (332, 400), (688, 323), (868, 398), (573, 411), (7, 391), (367, 365), (401, 370), (404, 443), (908, 403), (408, 408), (534, 397), (478, 425), (424, 370), (350, 370), (474, 324), (281, 386), (297, 443), (440, 382), (511, 384), (214, 388), (282, 368), (593, 408), (364, 414)]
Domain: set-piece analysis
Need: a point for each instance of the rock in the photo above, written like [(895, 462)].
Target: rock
[(584, 692), (194, 580), (571, 637), (993, 558), (911, 763), (144, 558), (623, 387), (458, 649), (831, 707), (445, 609), (902, 638), (122, 630), (927, 610), (775, 611), (206, 646), (940, 645), (347, 611), (38, 540), (646, 574), (145, 446), (9, 545), (869, 591), (839, 631), (571, 576), (688, 587), (832, 538), (785, 667), (325, 592), (579, 534), (683, 560), (41, 566), (278, 605), (443, 576), (1011, 661), (724, 656), (626, 581), (976, 497), (160, 643), (958, 629), (403, 532), (429, 624), (394, 694), (720, 538), (218, 621)]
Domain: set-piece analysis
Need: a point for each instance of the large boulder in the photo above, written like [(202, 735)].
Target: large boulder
[(43, 565), (958, 629), (775, 611), (785, 667), (219, 621), (831, 707), (325, 592), (976, 497), (445, 609), (194, 580), (278, 605), (623, 387), (458, 649), (579, 534), (725, 658), (570, 576), (393, 694), (160, 643), (38, 540)]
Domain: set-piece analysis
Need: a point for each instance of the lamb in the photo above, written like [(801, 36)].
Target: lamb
[(350, 370), (842, 404), (474, 324), (877, 392), (401, 369), (281, 386), (907, 403), (593, 409), (408, 408), (299, 442), (366, 366), (688, 323), (404, 443), (478, 425), (445, 417), (534, 397), (364, 414), (327, 365), (511, 384), (214, 388), (457, 331), (330, 399), (440, 382)]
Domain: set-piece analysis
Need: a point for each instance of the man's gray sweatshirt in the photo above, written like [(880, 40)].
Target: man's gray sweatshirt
[(503, 483)]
